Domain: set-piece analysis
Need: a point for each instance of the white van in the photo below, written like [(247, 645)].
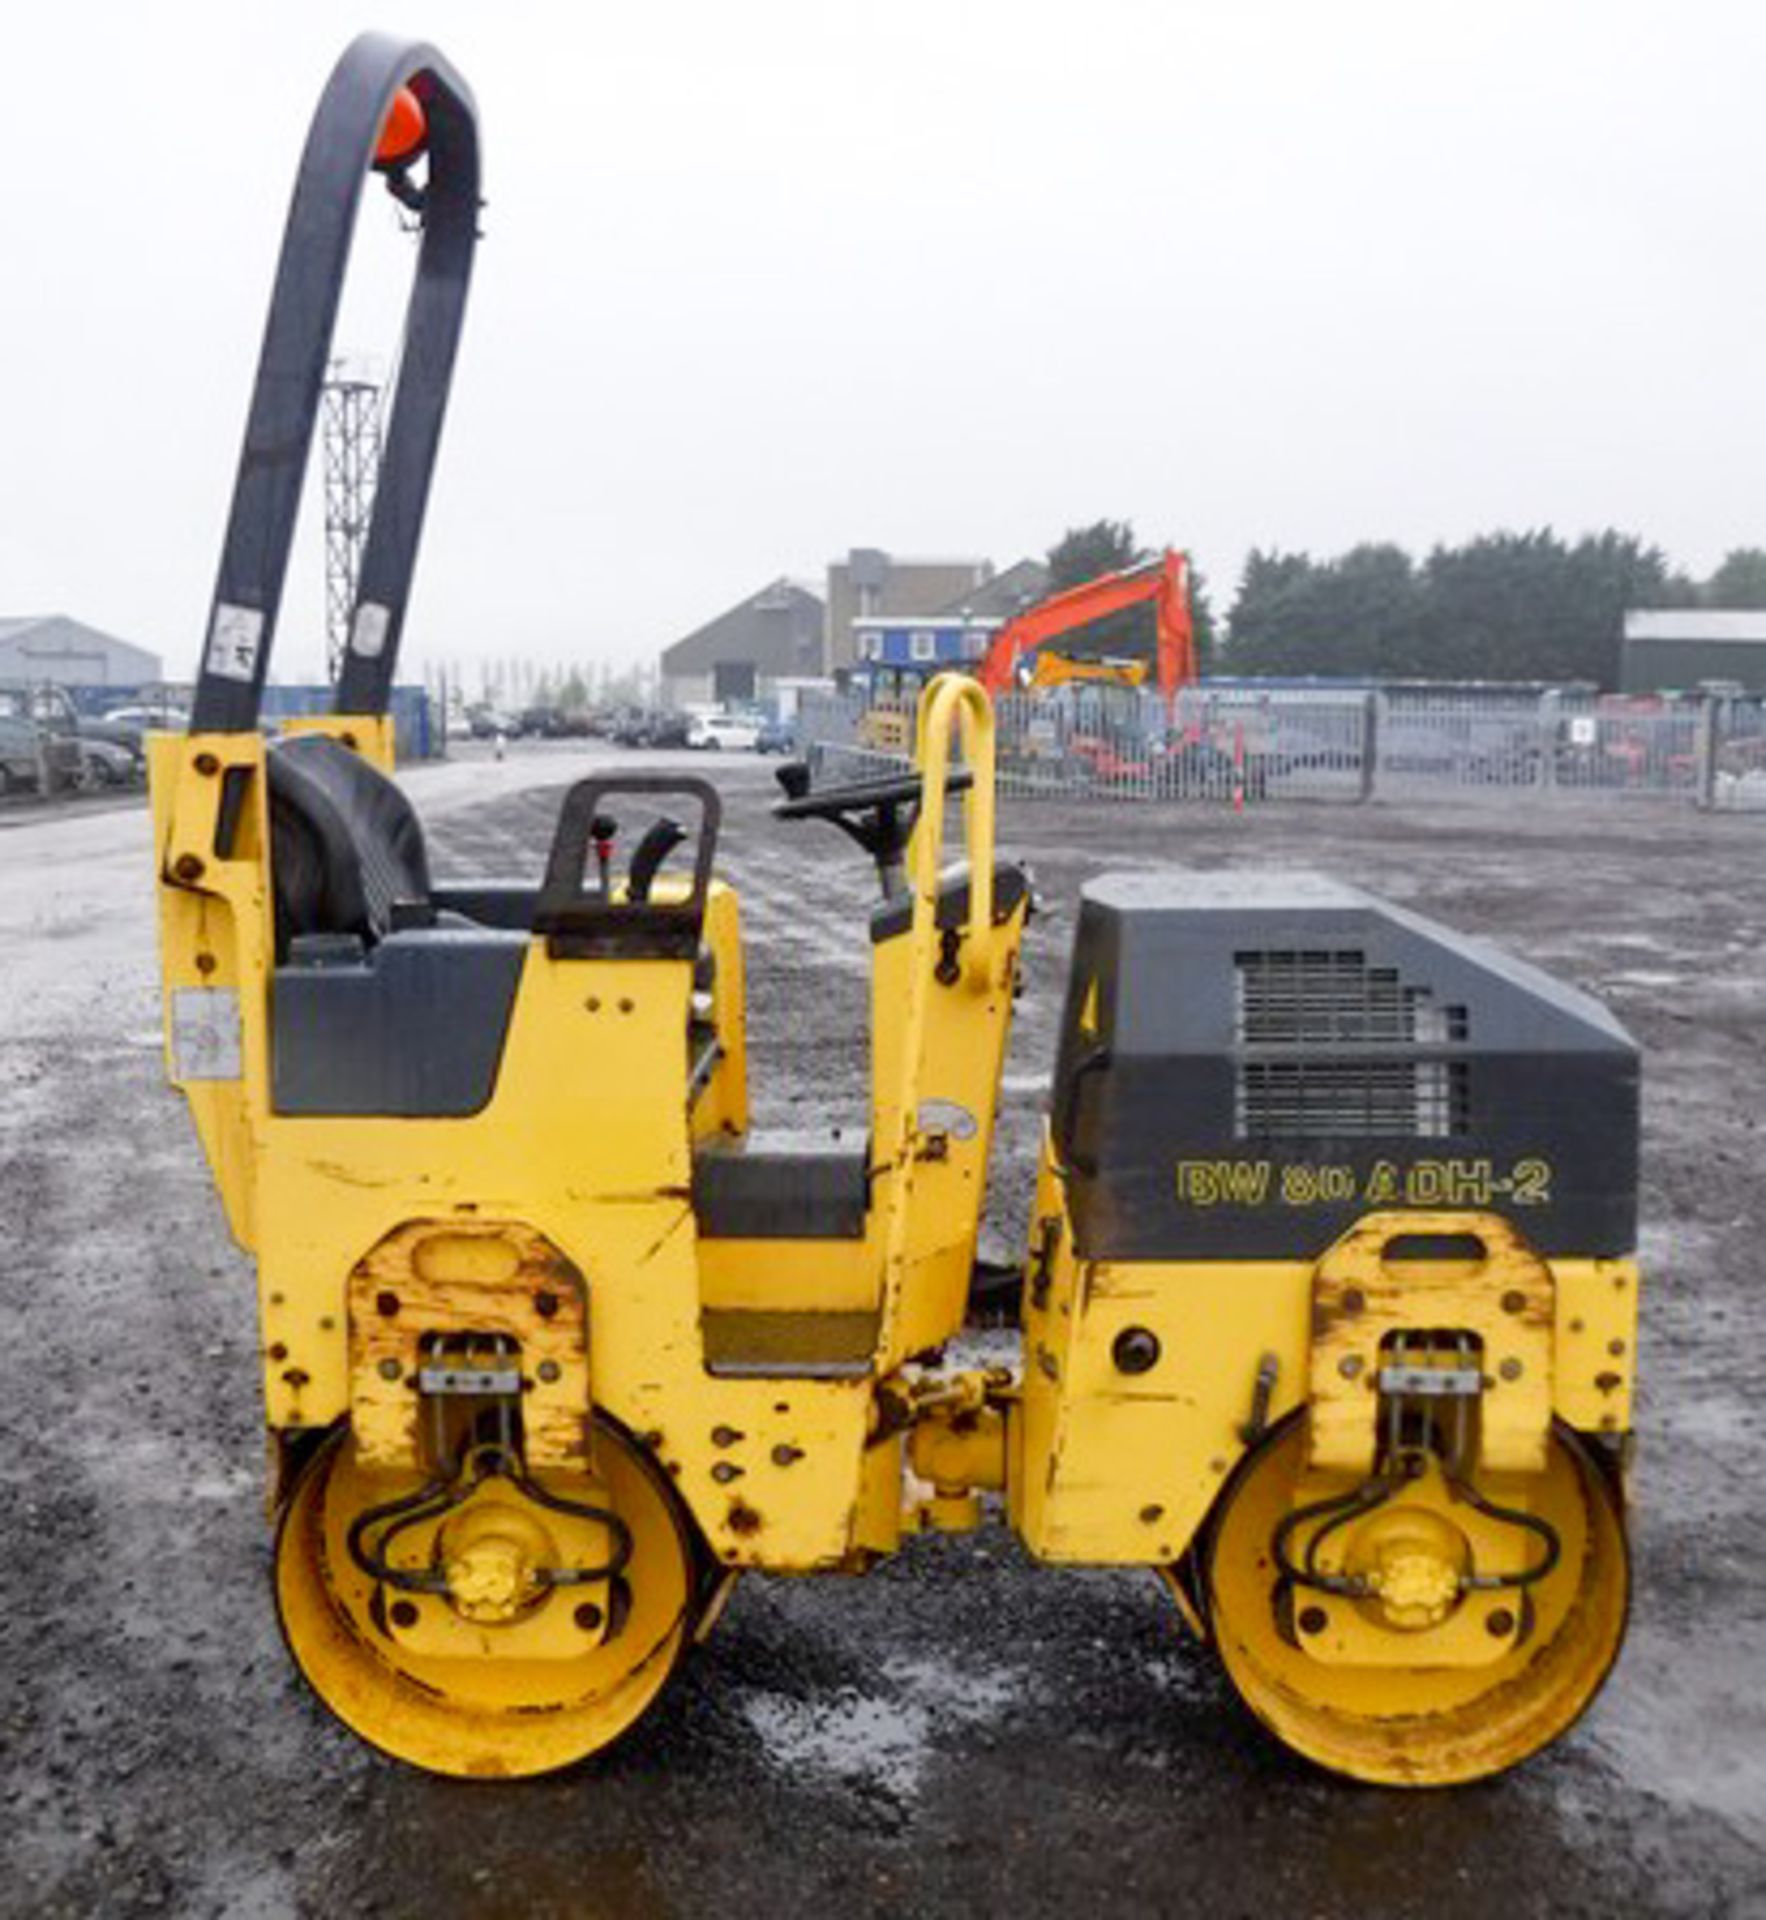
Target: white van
[(718, 730)]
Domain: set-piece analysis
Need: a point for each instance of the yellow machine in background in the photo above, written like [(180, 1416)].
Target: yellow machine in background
[(1056, 670), (1328, 1313)]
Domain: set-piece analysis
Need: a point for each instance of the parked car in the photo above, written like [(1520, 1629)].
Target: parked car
[(553, 723), (27, 749), (126, 736), (106, 763), (669, 730), (48, 705), (776, 736), (485, 723), (713, 731), (145, 719), (540, 723), (649, 727)]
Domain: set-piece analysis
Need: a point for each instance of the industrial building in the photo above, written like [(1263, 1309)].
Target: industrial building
[(870, 584), (741, 656), (1681, 650), (53, 647), (957, 635), (880, 610)]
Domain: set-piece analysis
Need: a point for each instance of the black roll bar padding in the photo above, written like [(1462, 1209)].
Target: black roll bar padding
[(579, 925), (336, 160)]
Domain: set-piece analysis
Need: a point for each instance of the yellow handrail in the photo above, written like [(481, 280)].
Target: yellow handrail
[(954, 697), (951, 699)]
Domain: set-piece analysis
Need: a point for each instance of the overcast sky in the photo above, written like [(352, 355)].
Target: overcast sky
[(764, 281)]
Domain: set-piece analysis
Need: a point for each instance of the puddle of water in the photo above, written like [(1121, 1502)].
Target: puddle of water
[(884, 1742), (961, 1696), (847, 1740)]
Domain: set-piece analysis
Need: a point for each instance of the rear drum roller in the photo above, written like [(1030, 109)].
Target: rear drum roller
[(492, 1714), (1421, 1724)]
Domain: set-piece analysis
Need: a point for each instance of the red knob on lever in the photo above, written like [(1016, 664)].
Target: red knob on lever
[(403, 131), (603, 829)]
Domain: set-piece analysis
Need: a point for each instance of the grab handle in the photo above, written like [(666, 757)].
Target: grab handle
[(1067, 1112), (580, 925), (954, 699)]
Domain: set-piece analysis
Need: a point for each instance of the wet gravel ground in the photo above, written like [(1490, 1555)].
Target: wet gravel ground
[(961, 1730)]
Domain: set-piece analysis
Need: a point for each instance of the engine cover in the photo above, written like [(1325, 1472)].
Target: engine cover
[(1251, 1062)]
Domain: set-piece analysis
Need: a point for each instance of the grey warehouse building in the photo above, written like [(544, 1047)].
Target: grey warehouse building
[(1680, 650), (773, 635), (68, 653)]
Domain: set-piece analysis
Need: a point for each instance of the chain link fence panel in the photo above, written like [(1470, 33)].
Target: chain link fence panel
[(1237, 746), (1732, 759)]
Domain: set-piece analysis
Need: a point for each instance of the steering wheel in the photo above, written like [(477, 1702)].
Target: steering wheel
[(860, 796), (878, 814)]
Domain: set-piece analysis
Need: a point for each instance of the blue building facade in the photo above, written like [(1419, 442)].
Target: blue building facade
[(895, 649)]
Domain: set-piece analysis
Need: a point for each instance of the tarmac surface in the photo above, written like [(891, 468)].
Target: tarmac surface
[(961, 1731)]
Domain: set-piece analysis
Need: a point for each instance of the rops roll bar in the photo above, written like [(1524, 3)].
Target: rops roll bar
[(339, 153)]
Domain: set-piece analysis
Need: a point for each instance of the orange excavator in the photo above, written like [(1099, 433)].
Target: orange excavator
[(1165, 582)]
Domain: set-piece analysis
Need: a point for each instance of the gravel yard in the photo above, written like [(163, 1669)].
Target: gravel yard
[(961, 1731)]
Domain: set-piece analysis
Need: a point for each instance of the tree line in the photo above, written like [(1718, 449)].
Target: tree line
[(510, 683), (1503, 606)]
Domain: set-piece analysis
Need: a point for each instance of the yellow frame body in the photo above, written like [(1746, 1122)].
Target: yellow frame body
[(586, 1142), (1124, 1469), (585, 1146)]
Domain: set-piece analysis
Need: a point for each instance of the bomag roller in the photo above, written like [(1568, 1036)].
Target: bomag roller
[(1328, 1307)]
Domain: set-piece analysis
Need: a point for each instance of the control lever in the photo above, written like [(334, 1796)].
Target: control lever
[(659, 841), (603, 830)]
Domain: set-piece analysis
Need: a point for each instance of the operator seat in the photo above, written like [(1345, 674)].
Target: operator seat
[(385, 1001), (345, 843)]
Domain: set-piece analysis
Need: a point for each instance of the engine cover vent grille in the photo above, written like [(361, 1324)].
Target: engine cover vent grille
[(1325, 1033), (1320, 997), (1353, 1099)]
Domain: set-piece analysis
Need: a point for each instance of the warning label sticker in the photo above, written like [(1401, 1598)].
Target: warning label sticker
[(368, 630), (205, 1033), (233, 642)]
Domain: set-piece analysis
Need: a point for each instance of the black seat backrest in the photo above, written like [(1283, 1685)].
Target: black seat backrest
[(891, 918), (345, 843)]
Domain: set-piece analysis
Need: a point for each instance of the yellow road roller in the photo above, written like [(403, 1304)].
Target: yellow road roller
[(1328, 1304)]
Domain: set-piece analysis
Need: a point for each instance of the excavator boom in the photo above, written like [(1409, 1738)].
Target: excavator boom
[(1164, 582)]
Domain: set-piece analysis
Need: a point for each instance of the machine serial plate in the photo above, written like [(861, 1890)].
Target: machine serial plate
[(1432, 1382), (469, 1380)]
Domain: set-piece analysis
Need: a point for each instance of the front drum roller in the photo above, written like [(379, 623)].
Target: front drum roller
[(1421, 1724), (491, 1715)]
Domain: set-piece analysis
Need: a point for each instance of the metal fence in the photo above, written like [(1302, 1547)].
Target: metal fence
[(1732, 758), (1236, 745), (1227, 747)]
